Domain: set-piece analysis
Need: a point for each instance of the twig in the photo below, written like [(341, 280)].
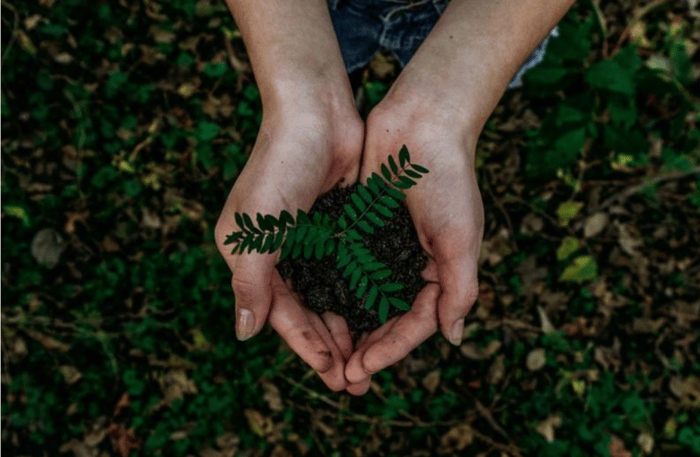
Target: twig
[(413, 422), (625, 194), (501, 208)]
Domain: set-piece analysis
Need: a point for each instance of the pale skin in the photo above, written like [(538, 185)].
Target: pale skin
[(312, 139)]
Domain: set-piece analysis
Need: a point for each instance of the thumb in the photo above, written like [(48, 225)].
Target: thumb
[(252, 288), (460, 288)]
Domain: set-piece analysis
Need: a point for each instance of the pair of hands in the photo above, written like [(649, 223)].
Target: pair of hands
[(304, 149)]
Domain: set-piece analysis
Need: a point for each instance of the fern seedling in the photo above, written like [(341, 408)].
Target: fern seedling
[(316, 235)]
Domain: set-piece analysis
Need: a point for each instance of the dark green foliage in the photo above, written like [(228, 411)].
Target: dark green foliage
[(317, 235)]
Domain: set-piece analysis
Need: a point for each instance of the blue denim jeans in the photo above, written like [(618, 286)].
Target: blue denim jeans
[(365, 26)]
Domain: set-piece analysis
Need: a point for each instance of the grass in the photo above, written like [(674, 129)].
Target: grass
[(125, 144)]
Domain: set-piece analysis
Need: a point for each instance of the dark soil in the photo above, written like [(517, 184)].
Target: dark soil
[(321, 285)]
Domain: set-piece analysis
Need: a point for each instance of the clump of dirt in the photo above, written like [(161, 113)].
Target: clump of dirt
[(322, 286)]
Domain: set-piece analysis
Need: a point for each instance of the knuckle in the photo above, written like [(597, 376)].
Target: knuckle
[(243, 286)]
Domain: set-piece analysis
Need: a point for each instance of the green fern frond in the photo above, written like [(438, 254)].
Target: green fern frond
[(316, 235)]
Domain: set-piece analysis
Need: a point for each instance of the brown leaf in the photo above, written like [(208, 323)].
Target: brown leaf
[(272, 396), (474, 352), (47, 247), (431, 381), (536, 359), (457, 438), (617, 448), (123, 439), (47, 341), (259, 424), (70, 374), (547, 427), (595, 224)]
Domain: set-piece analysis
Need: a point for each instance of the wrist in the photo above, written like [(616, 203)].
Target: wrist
[(426, 112)]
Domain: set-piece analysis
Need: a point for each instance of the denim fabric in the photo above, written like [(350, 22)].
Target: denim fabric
[(365, 26)]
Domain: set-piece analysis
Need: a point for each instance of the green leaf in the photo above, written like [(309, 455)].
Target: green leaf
[(391, 287), (342, 223), (388, 201), (371, 297), (583, 268), (286, 248), (383, 309), (239, 221), (267, 244), (568, 246), (393, 166), (418, 168), (385, 172), (371, 266), (286, 218), (380, 182), (350, 211), (300, 233), (303, 218), (279, 238), (383, 210), (319, 250), (374, 219), (567, 211), (366, 227), (249, 223), (396, 194), (412, 174), (362, 287), (404, 156), (232, 238), (263, 223), (609, 75), (397, 302), (245, 243), (297, 250), (364, 193), (359, 203), (207, 131), (272, 222), (404, 183), (355, 278), (330, 246), (353, 235), (381, 274), (352, 266), (372, 185)]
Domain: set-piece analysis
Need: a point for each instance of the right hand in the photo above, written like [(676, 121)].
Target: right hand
[(303, 149)]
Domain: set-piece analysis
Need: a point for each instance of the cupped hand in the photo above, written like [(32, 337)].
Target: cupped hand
[(303, 149), (447, 211)]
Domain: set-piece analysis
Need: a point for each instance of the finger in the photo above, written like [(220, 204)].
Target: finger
[(338, 329), (407, 333), (251, 282), (354, 370), (460, 288), (430, 272), (335, 377), (290, 321), (359, 388)]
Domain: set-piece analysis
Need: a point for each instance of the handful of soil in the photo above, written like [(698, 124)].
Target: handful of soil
[(322, 286)]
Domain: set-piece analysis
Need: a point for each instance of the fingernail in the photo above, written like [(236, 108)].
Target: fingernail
[(245, 324), (456, 335)]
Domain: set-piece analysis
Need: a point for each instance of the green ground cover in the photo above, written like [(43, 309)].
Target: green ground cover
[(124, 126)]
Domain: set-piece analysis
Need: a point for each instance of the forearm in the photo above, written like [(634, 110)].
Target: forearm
[(293, 49), (473, 52)]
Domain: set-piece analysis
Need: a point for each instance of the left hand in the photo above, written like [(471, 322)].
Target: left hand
[(447, 212)]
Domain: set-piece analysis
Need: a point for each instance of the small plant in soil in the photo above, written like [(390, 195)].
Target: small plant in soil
[(317, 237)]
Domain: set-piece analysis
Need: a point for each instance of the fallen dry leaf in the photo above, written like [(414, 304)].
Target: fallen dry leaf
[(536, 359)]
